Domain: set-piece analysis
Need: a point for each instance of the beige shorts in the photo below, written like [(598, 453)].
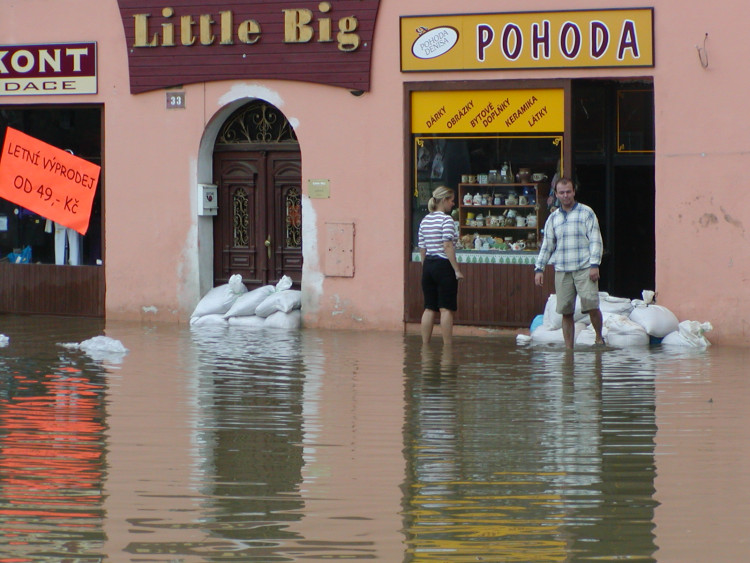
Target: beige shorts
[(570, 284)]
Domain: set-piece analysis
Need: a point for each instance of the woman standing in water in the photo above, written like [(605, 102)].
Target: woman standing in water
[(440, 271)]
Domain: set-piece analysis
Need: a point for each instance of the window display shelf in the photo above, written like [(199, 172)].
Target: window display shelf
[(484, 211)]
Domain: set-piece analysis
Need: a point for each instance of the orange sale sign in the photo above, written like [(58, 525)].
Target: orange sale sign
[(46, 180)]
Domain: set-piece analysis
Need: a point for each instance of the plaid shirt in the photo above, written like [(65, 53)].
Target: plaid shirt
[(571, 239)]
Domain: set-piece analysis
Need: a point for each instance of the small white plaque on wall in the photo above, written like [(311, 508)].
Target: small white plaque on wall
[(319, 189)]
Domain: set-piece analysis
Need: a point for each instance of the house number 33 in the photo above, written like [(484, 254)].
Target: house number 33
[(175, 100)]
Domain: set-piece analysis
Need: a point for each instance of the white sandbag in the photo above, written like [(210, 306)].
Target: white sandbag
[(622, 324), (625, 340), (280, 319), (102, 344), (522, 339), (689, 333), (545, 335), (284, 301), (246, 303), (587, 336), (284, 283), (607, 315), (624, 333), (206, 320), (656, 320), (219, 299), (101, 349), (648, 298), (616, 305), (250, 321), (553, 319)]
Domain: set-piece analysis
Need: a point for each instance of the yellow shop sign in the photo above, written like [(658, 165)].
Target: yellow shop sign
[(488, 111), (572, 39)]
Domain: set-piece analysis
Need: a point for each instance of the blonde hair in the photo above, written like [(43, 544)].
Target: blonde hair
[(439, 194)]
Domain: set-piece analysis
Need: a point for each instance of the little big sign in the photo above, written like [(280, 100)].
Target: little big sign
[(180, 42)]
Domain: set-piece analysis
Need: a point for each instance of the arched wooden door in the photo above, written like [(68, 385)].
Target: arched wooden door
[(258, 228)]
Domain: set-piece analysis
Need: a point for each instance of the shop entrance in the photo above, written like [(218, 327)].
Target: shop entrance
[(613, 165), (258, 229)]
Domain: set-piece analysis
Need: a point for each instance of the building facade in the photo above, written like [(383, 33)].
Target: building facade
[(303, 139)]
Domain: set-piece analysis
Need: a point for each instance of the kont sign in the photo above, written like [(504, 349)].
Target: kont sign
[(27, 70), (181, 42)]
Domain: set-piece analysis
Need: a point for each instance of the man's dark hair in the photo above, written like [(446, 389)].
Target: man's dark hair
[(565, 180)]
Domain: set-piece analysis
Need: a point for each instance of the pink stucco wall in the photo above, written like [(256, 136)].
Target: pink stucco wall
[(156, 245)]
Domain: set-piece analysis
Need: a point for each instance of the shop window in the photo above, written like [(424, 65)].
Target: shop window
[(475, 164), (635, 121), (26, 236)]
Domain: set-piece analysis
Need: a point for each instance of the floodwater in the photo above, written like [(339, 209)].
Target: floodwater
[(219, 445)]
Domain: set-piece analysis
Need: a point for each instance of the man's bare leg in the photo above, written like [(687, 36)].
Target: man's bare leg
[(569, 330), (596, 321)]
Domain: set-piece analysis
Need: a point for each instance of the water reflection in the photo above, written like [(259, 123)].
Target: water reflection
[(52, 459), (250, 400), (279, 461), (233, 445), (529, 457)]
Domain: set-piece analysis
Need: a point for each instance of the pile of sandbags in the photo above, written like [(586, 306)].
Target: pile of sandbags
[(268, 306), (625, 323)]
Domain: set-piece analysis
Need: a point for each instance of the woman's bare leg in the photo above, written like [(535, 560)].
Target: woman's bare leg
[(446, 325), (428, 319)]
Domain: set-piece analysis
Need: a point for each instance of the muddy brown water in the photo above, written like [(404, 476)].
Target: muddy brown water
[(262, 446)]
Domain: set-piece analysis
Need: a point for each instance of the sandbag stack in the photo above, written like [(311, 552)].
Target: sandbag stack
[(264, 307), (625, 323)]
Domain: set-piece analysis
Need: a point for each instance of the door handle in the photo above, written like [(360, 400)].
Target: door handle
[(268, 245)]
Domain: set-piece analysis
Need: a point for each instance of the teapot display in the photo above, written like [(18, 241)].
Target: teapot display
[(487, 215)]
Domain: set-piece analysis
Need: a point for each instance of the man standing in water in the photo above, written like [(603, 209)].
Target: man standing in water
[(573, 240)]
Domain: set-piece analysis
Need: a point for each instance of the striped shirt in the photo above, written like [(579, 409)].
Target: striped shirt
[(572, 240), (436, 228)]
